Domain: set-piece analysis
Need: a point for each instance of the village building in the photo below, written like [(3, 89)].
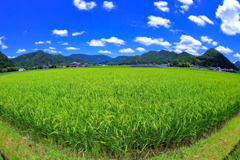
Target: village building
[(45, 67), (75, 64), (22, 69)]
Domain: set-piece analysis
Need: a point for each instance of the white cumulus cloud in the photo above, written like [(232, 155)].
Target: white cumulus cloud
[(200, 20), (187, 2), (223, 49), (206, 19), (158, 21), (49, 50), (63, 43), (185, 5), (140, 49), (237, 55), (103, 41), (39, 42), (150, 41), (108, 5), (52, 48), (162, 5), (105, 52), (21, 51), (206, 39), (214, 43), (96, 43), (2, 45), (126, 50), (188, 44), (60, 32), (229, 14), (48, 42), (72, 48), (83, 5), (113, 40), (11, 57), (78, 33)]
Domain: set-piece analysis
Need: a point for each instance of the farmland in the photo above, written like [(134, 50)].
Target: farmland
[(116, 110)]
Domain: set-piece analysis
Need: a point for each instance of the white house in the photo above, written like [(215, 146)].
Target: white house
[(22, 69)]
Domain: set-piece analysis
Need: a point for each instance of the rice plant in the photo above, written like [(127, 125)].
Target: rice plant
[(116, 110)]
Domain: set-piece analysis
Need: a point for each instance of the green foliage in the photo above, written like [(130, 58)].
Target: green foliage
[(9, 69), (187, 58), (213, 58), (151, 57), (118, 109), (237, 64), (177, 63), (117, 60), (5, 62), (92, 58), (231, 71), (184, 60), (235, 155), (41, 58)]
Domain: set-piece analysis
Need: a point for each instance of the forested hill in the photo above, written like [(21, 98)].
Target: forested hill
[(210, 58), (153, 57), (5, 61), (215, 58), (117, 60), (42, 58), (92, 58), (237, 64)]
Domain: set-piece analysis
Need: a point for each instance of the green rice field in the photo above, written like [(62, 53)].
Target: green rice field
[(118, 109)]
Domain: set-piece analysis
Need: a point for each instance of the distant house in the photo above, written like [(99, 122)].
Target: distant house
[(22, 69), (85, 65), (216, 68), (45, 67), (146, 65), (75, 64)]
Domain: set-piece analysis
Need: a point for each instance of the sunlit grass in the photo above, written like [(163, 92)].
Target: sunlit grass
[(118, 109)]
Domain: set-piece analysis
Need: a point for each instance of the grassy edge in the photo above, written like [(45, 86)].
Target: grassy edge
[(235, 155), (215, 147), (15, 146)]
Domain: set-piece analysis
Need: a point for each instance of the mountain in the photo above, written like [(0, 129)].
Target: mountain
[(5, 61), (92, 58), (152, 57), (210, 58), (237, 64), (214, 58), (117, 60), (42, 58), (186, 57)]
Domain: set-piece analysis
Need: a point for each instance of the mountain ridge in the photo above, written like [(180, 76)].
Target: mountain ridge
[(211, 58), (42, 58), (92, 58), (5, 61), (214, 58)]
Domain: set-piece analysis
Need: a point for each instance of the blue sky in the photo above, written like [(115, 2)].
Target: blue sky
[(119, 27)]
